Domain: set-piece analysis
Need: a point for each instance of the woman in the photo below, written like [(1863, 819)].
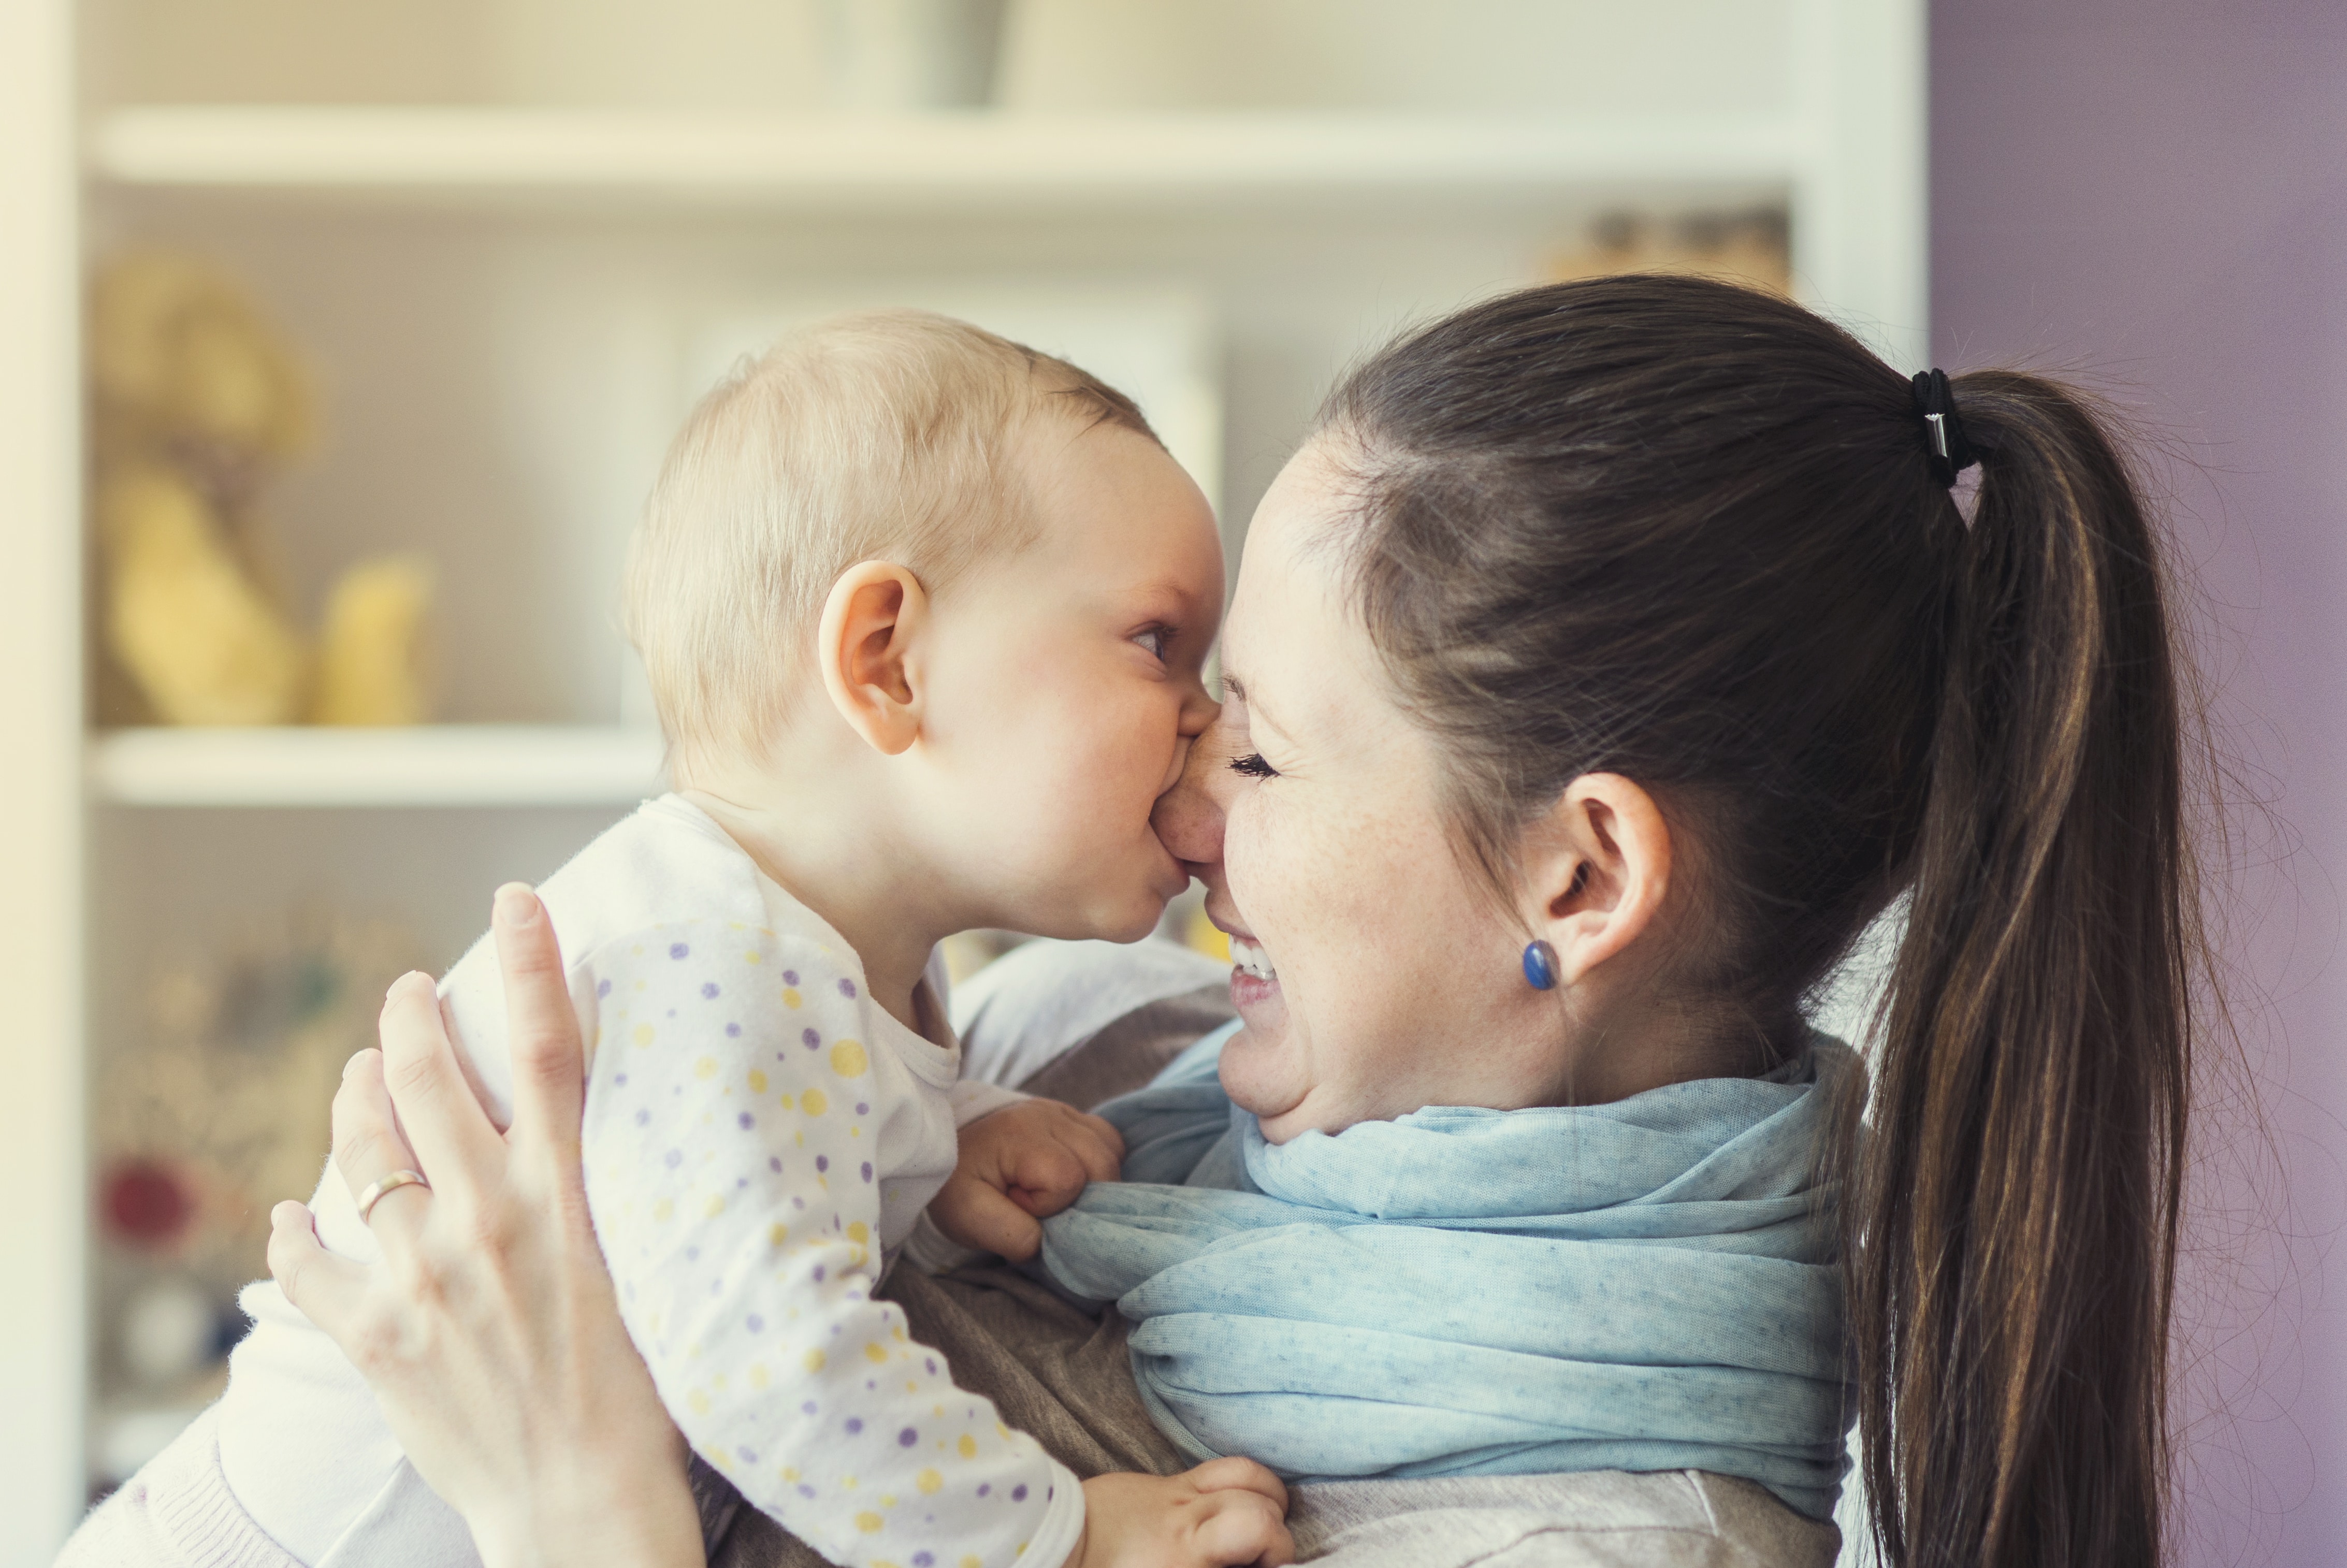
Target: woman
[(1612, 655)]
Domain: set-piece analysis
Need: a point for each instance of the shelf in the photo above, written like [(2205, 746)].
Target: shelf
[(923, 163), (436, 765)]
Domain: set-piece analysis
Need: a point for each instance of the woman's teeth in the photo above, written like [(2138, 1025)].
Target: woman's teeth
[(1249, 959)]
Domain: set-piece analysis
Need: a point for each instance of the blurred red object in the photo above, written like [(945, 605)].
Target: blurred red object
[(146, 1203)]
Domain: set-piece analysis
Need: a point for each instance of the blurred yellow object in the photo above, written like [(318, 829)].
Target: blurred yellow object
[(374, 665), (1203, 935), (177, 352), (184, 617), (1748, 247)]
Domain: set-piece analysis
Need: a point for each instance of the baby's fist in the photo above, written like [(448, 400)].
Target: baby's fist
[(1016, 1166)]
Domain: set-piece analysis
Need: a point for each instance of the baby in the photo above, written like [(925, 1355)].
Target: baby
[(925, 614)]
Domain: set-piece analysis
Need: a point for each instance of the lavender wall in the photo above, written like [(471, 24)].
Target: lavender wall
[(2154, 193)]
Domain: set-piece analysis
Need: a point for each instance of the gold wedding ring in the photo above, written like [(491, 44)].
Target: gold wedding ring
[(392, 1182)]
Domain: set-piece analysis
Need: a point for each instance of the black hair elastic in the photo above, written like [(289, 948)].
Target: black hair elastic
[(1943, 433)]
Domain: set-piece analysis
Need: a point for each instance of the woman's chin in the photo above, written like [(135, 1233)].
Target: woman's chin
[(1252, 1073)]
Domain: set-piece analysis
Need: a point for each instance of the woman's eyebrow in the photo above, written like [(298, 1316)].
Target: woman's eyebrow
[(1235, 687)]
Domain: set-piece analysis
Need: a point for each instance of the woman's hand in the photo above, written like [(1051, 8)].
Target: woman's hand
[(489, 1331)]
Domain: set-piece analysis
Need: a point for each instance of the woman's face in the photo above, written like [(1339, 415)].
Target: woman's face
[(1376, 972)]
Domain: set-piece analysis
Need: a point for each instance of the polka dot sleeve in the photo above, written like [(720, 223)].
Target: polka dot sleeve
[(732, 1129)]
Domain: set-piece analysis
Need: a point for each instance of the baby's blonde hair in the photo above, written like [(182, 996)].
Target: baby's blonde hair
[(880, 434)]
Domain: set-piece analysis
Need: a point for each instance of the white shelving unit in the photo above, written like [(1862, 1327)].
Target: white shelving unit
[(435, 766), (505, 296)]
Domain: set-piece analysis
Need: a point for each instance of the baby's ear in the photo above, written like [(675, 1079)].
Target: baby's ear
[(870, 623)]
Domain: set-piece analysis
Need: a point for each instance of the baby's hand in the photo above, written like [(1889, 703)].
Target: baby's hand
[(1226, 1512), (1016, 1166)]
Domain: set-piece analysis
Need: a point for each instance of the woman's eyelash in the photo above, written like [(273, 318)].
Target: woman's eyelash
[(1254, 766)]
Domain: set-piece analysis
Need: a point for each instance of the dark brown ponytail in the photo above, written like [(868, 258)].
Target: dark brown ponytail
[(2015, 1209), (1691, 534)]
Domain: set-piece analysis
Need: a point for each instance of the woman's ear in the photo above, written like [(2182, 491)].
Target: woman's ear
[(868, 643), (1600, 865)]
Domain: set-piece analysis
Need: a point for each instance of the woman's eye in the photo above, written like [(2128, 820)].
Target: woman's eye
[(1254, 766), (1157, 640)]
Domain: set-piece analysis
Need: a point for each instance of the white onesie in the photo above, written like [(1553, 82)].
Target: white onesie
[(760, 1138)]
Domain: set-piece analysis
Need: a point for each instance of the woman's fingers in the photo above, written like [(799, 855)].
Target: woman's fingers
[(541, 1026), (328, 1289), (368, 1147), (439, 1113)]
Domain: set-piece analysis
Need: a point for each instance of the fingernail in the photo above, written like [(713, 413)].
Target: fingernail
[(515, 906)]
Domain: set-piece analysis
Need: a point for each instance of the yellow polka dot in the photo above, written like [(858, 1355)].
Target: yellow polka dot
[(717, 1205), (790, 1472), (967, 1446), (848, 1059), (699, 1401), (705, 1068), (790, 996), (867, 1522), (786, 1099), (638, 951), (663, 1211), (815, 1360), (777, 1235), (812, 1103), (643, 1034), (857, 1232), (928, 1481), (757, 1081), (753, 956), (912, 1388), (972, 1562), (874, 1353), (757, 1374), (722, 1458), (887, 1501)]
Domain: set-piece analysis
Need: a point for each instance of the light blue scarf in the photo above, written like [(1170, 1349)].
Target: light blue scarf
[(1643, 1285)]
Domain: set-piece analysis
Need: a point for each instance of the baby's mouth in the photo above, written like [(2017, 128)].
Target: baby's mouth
[(1251, 960)]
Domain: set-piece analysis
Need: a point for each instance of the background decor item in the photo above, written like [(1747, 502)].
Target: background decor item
[(198, 401), (891, 55), (216, 1111), (1747, 246)]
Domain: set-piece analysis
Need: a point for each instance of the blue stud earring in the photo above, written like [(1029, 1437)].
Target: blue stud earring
[(1541, 966)]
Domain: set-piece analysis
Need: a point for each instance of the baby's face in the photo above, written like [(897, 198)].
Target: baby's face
[(1065, 688)]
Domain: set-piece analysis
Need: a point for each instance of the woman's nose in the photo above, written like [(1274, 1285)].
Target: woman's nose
[(1187, 818)]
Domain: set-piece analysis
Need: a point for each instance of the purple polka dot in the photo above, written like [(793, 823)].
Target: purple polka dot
[(733, 1031), (923, 1560), (774, 1163), (867, 1169), (818, 1274), (602, 989), (747, 1120), (823, 1162), (855, 1425), (675, 1157), (1019, 1494), (708, 990), (790, 977), (808, 1408), (932, 1366), (642, 1117), (750, 1453), (806, 1491), (809, 1038), (740, 1182), (679, 950), (692, 1254), (861, 1108), (908, 1438), (620, 1079), (985, 1487), (847, 987), (757, 1324)]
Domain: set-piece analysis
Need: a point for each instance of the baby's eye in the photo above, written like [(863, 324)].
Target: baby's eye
[(1157, 640), (1254, 766)]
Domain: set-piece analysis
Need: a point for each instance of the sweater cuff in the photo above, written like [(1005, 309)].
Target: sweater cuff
[(1063, 1527)]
